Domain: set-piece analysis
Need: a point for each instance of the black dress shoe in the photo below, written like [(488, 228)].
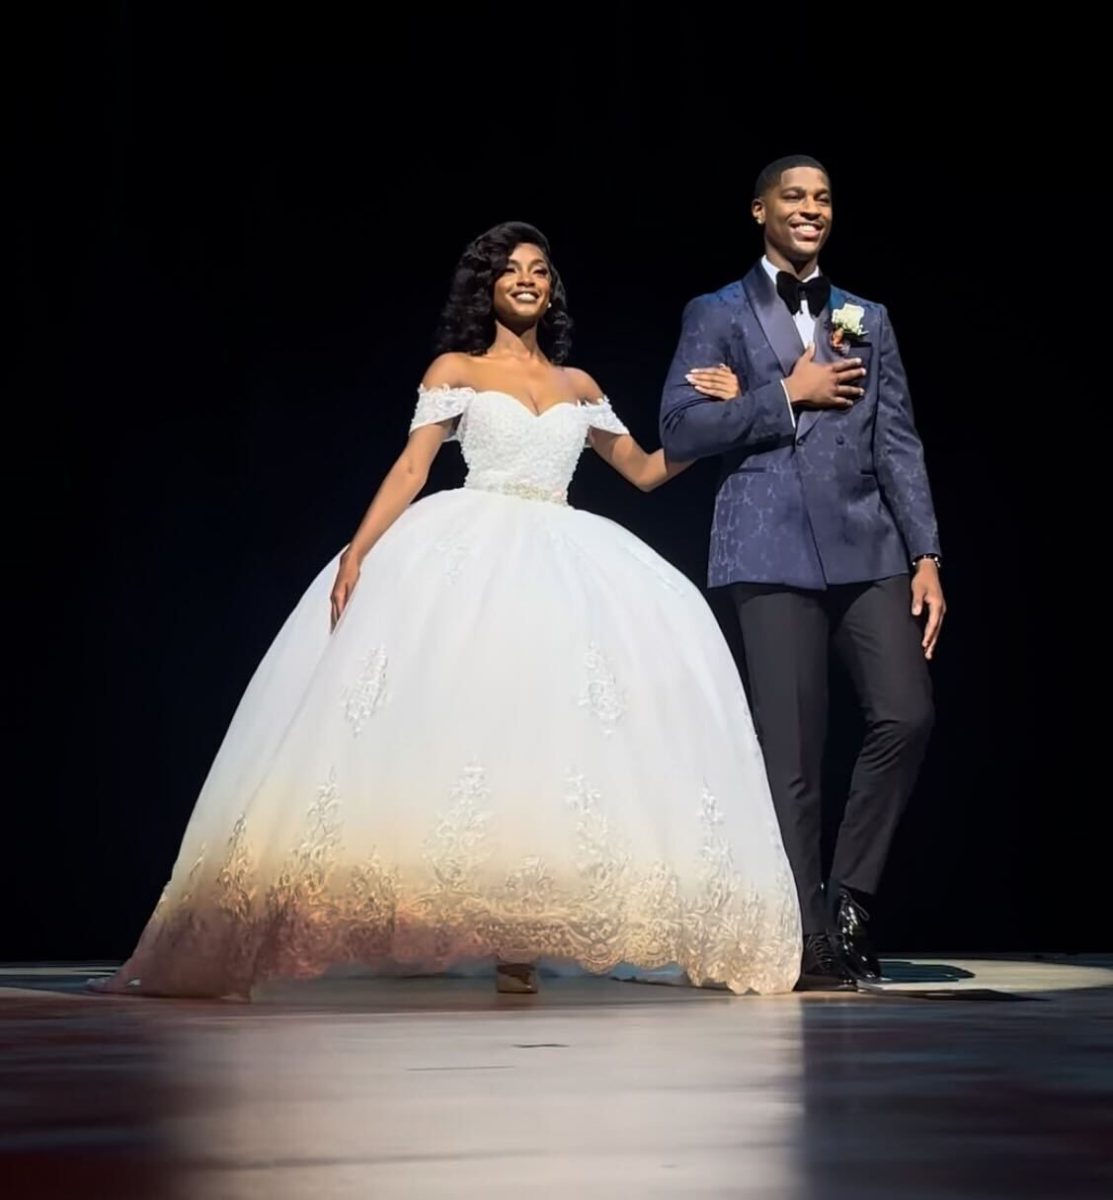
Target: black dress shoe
[(821, 969), (851, 940)]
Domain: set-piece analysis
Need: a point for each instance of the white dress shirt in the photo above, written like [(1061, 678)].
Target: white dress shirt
[(804, 319)]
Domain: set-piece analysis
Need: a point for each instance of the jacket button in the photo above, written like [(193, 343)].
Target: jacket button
[(840, 440)]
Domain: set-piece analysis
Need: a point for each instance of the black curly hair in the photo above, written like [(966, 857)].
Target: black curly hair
[(468, 320)]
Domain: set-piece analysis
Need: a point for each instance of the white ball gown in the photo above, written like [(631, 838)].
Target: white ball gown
[(525, 740)]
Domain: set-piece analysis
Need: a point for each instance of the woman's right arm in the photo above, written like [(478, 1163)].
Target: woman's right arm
[(399, 489)]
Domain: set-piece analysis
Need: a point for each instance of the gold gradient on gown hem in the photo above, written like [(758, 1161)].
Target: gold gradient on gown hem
[(247, 922)]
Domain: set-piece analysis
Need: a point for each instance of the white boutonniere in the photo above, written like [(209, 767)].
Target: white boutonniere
[(847, 327)]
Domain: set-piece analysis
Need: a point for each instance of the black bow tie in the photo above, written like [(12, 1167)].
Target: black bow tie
[(817, 291)]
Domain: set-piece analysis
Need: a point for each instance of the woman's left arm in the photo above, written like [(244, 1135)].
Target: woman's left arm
[(621, 450)]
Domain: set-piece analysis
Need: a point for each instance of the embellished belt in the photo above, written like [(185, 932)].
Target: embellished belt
[(524, 491)]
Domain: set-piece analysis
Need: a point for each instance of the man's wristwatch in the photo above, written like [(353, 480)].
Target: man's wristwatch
[(934, 558)]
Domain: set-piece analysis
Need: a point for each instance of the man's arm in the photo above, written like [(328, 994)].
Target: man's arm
[(899, 453), (692, 426), (902, 476)]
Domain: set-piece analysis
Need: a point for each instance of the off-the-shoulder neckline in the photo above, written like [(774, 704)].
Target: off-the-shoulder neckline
[(602, 402)]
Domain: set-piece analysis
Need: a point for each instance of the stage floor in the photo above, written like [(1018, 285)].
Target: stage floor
[(962, 1079)]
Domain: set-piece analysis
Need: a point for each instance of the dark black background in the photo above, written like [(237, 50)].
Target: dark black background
[(237, 235)]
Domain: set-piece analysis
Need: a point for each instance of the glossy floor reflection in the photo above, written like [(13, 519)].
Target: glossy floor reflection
[(438, 1088)]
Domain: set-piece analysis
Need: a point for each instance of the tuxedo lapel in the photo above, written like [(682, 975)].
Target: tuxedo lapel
[(774, 318)]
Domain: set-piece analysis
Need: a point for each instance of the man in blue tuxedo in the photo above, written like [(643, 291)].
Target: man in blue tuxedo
[(825, 533)]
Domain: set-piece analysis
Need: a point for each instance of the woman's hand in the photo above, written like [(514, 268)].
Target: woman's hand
[(346, 579), (719, 383)]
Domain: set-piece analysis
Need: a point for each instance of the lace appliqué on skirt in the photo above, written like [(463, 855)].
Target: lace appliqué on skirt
[(316, 911), (367, 695), (602, 694)]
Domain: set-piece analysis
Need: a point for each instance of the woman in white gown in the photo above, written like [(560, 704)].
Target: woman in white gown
[(524, 739)]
